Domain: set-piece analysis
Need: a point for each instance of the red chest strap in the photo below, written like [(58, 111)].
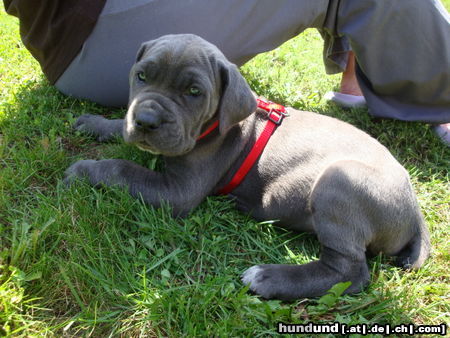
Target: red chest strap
[(275, 115), (209, 130)]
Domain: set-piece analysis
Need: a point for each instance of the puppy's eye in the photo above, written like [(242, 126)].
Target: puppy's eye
[(194, 91), (141, 76)]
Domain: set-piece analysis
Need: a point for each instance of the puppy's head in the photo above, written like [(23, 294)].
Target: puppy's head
[(179, 85)]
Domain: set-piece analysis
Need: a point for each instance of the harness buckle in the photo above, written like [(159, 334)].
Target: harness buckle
[(275, 116)]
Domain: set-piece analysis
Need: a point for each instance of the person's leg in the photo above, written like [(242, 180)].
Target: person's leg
[(402, 53), (339, 58), (349, 95), (241, 29), (349, 83)]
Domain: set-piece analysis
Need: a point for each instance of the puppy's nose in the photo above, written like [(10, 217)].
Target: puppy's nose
[(148, 120)]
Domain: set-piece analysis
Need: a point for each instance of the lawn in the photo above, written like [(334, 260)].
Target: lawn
[(84, 262)]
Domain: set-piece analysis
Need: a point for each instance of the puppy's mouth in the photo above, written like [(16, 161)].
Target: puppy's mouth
[(143, 146), (170, 151)]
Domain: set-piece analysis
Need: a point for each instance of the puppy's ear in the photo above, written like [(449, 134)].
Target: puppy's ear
[(141, 52), (144, 47), (237, 100)]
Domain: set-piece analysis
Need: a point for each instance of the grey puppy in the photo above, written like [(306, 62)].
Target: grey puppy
[(316, 174)]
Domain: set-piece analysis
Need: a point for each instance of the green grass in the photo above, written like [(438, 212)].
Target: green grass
[(81, 261)]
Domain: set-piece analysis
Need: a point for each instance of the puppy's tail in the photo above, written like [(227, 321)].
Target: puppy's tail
[(417, 250)]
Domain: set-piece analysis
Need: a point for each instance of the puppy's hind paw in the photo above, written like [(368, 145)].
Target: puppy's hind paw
[(259, 281), (249, 275), (274, 281)]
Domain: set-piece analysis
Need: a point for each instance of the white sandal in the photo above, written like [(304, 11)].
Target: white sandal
[(443, 131), (346, 100)]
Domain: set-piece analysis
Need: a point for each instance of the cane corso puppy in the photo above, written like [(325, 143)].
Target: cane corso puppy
[(316, 173)]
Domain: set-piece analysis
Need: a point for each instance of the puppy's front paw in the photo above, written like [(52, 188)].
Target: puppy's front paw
[(89, 124), (98, 127), (79, 169)]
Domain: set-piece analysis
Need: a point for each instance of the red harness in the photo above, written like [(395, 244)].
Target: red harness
[(275, 115)]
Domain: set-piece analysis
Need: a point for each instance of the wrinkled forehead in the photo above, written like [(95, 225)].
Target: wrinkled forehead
[(179, 63), (165, 64), (180, 51)]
